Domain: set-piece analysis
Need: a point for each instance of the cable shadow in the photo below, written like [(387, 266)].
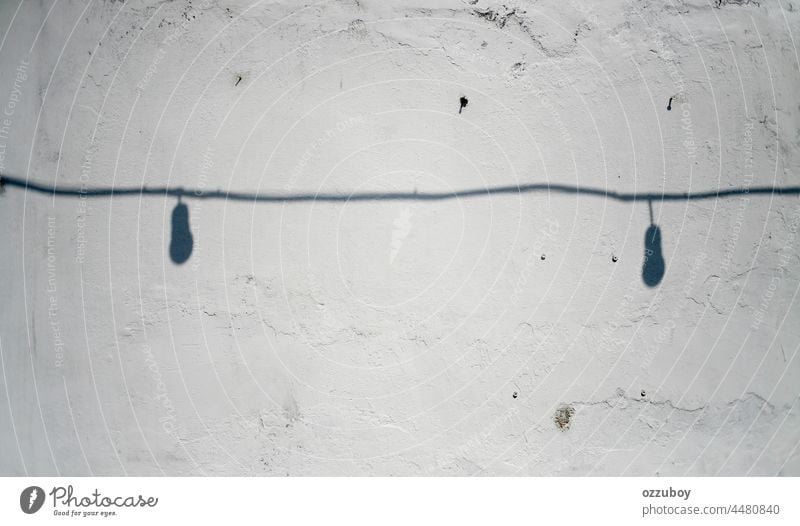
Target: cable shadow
[(181, 244), (258, 197)]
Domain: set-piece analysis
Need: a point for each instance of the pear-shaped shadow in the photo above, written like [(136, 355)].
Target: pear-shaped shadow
[(181, 244), (653, 266)]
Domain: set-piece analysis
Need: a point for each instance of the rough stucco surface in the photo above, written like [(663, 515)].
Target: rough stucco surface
[(488, 334)]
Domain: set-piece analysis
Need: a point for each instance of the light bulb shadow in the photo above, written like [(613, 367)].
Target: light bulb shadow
[(181, 243), (653, 268)]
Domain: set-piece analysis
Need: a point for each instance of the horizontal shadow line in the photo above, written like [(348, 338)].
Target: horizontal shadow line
[(73, 191)]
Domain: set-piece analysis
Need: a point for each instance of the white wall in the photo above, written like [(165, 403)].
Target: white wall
[(389, 336)]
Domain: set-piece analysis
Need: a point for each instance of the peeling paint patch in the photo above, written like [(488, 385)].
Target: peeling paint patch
[(563, 417)]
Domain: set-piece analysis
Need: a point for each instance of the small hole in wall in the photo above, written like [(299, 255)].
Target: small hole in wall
[(643, 393), (515, 395), (463, 101), (543, 257), (614, 258)]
